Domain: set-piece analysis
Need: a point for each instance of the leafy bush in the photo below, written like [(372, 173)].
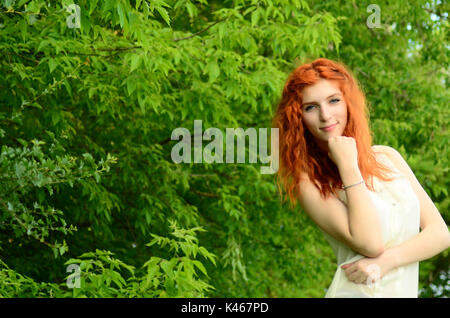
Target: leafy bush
[(86, 115)]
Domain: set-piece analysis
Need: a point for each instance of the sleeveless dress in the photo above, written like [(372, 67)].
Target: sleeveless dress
[(399, 211)]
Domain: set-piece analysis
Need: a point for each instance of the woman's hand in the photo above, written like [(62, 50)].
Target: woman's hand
[(343, 151), (368, 270)]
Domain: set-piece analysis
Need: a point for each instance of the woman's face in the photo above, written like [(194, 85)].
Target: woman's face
[(323, 105)]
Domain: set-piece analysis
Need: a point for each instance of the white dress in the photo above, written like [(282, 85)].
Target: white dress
[(399, 211)]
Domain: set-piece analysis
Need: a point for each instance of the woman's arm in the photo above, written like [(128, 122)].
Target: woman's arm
[(433, 239), (428, 243), (357, 224), (363, 221)]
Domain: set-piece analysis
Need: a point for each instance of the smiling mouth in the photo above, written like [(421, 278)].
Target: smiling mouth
[(331, 126)]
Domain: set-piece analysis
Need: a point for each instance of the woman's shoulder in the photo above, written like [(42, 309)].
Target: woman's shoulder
[(387, 151), (394, 157), (383, 148)]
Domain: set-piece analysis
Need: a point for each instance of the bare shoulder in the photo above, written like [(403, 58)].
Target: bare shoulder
[(396, 158), (307, 189), (304, 183), (383, 148), (428, 212)]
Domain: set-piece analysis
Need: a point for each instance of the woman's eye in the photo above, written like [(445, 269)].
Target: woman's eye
[(307, 108), (336, 99)]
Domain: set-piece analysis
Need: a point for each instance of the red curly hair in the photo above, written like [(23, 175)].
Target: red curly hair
[(298, 151)]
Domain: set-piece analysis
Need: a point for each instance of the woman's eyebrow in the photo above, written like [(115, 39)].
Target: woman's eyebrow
[(311, 102)]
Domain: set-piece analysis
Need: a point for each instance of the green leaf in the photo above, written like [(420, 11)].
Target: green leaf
[(52, 64), (163, 14), (39, 180), (168, 266), (56, 117), (213, 70), (121, 15), (141, 102), (68, 87), (255, 17), (63, 249), (23, 26), (135, 62), (131, 85), (20, 169), (200, 266)]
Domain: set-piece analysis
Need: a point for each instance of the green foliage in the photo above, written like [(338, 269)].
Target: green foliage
[(100, 274), (16, 285), (86, 116), (103, 275), (29, 175)]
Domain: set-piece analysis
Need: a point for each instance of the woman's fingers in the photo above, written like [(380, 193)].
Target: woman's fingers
[(352, 274), (349, 269), (355, 275), (361, 273)]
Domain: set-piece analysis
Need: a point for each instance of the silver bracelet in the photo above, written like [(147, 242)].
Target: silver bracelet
[(345, 188)]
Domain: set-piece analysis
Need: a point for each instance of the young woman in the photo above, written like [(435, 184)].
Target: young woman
[(363, 197)]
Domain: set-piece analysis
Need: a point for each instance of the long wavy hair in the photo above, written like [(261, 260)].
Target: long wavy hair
[(298, 150)]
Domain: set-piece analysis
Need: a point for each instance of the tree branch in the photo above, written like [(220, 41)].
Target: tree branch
[(205, 194), (201, 31)]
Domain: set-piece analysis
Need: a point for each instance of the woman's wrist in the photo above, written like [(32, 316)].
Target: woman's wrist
[(389, 258), (350, 175)]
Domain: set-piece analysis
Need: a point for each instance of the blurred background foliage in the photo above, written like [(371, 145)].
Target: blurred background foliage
[(87, 112)]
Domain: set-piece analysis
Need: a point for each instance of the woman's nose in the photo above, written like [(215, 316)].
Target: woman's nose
[(324, 113)]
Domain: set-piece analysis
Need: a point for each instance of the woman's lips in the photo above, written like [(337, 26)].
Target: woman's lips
[(329, 128)]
